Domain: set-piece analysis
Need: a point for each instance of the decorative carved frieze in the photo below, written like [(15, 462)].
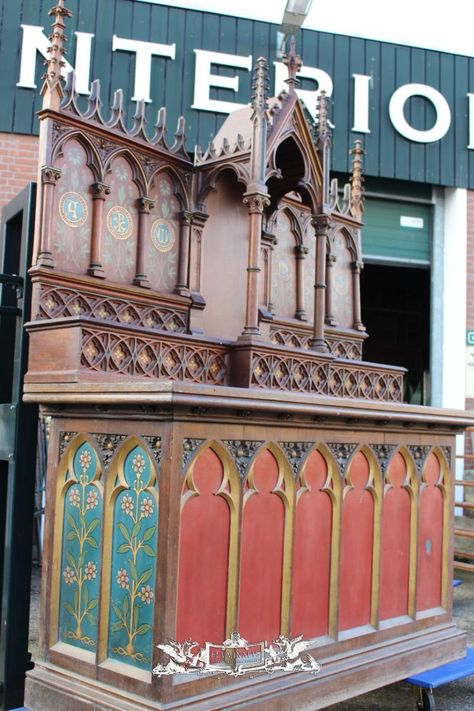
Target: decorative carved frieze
[(384, 453), (341, 348), (109, 443), (296, 453), (60, 302), (111, 352), (306, 374), (189, 447), (342, 453), (243, 451)]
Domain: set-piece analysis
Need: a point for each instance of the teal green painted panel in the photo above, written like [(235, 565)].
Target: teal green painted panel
[(134, 549), (387, 236), (80, 559)]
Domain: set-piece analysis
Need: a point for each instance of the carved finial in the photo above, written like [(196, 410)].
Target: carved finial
[(293, 63), (323, 132), (159, 137), (94, 103), (179, 145), (260, 85), (357, 181), (69, 100), (139, 121), (333, 194), (52, 89), (117, 114)]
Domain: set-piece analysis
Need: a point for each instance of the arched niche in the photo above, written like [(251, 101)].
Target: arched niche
[(432, 534), (341, 286), (163, 239), (72, 209), (130, 553), (359, 562), (284, 273), (120, 221), (77, 546), (398, 537), (207, 566), (224, 245), (315, 546), (265, 554)]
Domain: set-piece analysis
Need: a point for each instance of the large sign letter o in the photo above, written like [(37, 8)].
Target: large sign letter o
[(397, 116)]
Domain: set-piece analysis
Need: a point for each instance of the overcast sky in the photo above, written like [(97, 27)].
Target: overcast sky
[(434, 24)]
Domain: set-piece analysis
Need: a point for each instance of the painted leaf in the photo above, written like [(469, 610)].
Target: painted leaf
[(148, 550), (145, 577), (124, 531), (137, 527), (149, 533), (143, 629), (123, 548)]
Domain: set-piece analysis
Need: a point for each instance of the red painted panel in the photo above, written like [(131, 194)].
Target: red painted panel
[(312, 553), (261, 564), (204, 557), (356, 549), (395, 543), (430, 542)]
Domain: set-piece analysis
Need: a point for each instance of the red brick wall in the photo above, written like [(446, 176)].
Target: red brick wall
[(18, 164)]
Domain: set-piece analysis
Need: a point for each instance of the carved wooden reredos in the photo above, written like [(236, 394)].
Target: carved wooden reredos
[(240, 267)]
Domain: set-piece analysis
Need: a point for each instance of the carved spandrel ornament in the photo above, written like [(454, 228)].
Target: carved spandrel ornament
[(243, 452), (419, 454), (189, 447), (342, 453), (384, 453), (154, 445), (447, 453), (296, 453), (108, 444), (64, 439)]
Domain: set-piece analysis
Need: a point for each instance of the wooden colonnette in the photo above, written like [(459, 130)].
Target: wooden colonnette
[(221, 458)]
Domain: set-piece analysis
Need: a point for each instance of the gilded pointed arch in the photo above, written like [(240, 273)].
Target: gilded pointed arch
[(208, 546), (316, 545), (129, 558), (266, 538), (76, 547)]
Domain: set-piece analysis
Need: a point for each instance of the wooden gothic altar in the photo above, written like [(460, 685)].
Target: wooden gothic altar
[(221, 457)]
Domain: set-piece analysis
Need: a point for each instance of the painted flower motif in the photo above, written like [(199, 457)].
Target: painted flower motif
[(121, 172), (127, 505), (147, 507), (75, 157), (146, 594), (165, 187), (85, 459), (138, 464), (90, 570), (122, 578), (75, 497), (69, 575), (92, 499)]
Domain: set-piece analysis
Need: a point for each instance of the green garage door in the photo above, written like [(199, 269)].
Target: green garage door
[(396, 231)]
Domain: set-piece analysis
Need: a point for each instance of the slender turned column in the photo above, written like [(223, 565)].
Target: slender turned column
[(49, 178), (321, 225), (330, 261), (182, 287), (256, 203), (356, 269), (99, 193), (144, 207), (300, 253)]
